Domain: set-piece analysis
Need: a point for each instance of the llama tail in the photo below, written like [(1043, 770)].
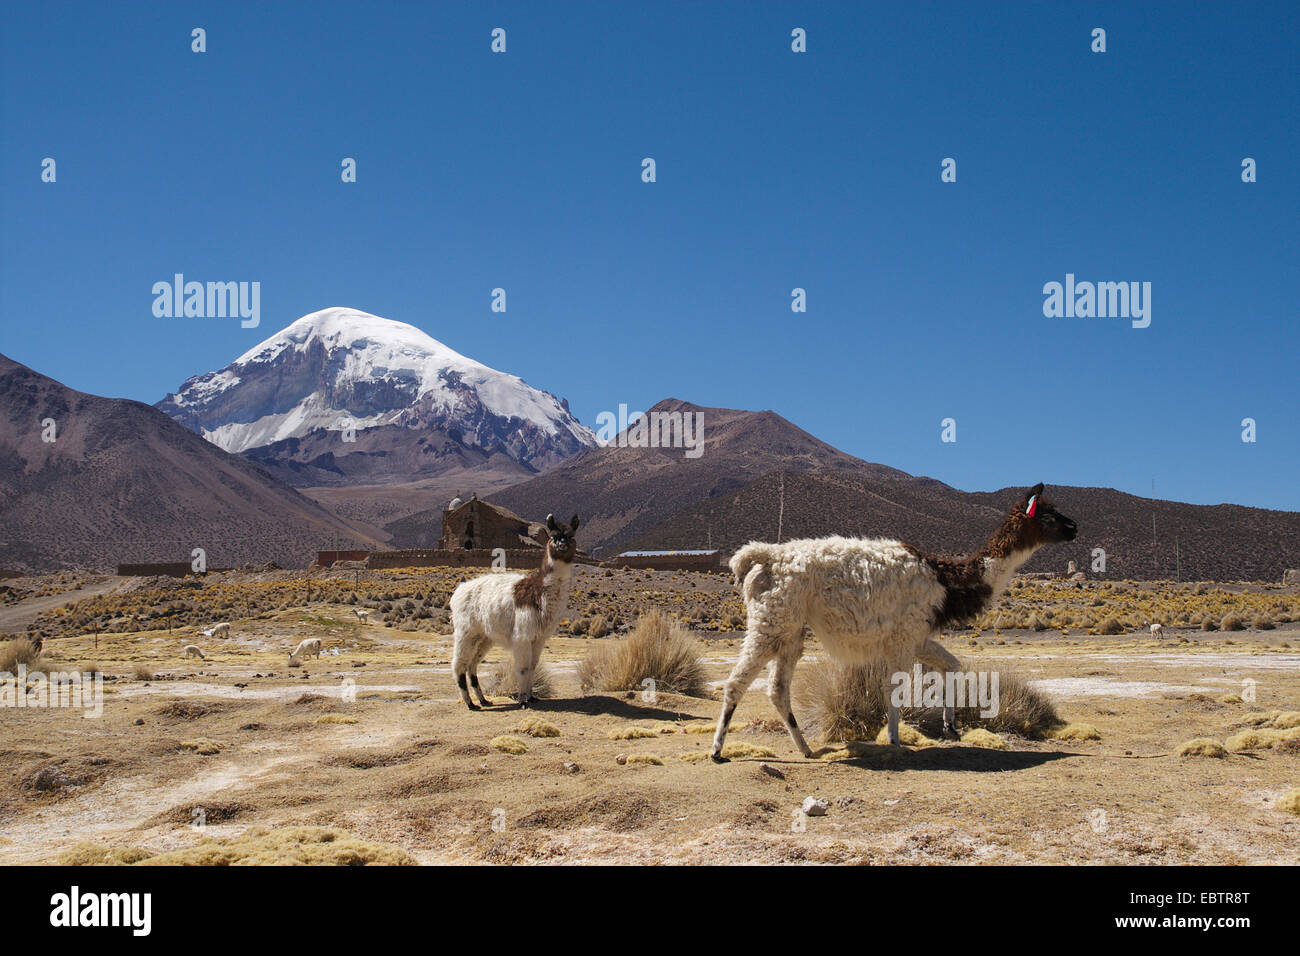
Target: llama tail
[(753, 555)]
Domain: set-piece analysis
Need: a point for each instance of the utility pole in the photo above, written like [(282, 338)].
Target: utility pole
[(780, 511)]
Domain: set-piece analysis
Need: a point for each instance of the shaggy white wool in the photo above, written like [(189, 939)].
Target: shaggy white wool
[(309, 647), (484, 612), (866, 599)]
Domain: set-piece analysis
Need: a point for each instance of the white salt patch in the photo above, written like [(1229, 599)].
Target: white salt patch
[(1069, 687)]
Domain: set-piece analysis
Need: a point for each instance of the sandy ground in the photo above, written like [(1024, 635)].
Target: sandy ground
[(374, 740)]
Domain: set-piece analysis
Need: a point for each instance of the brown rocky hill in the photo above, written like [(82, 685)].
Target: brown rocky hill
[(621, 492), (651, 498), (380, 455), (1221, 542), (1214, 542), (123, 482)]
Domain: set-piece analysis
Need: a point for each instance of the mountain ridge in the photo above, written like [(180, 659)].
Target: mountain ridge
[(122, 482)]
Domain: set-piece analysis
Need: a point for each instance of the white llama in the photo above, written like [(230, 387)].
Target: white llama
[(518, 612), (870, 600), (307, 647)]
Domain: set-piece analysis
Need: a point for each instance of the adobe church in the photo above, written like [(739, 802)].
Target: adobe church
[(476, 525)]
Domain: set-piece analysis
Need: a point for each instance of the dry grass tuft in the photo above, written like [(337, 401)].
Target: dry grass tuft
[(1264, 738), (18, 651), (843, 702), (1202, 747), (1022, 710), (1074, 732), (536, 727), (90, 853), (740, 749), (508, 745), (694, 756), (1111, 626), (632, 733), (337, 719), (658, 649), (907, 736), (1290, 801), (644, 760), (257, 846), (979, 737), (849, 703), (1276, 719), (506, 683)]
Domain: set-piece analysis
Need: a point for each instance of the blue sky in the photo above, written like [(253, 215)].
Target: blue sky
[(775, 170)]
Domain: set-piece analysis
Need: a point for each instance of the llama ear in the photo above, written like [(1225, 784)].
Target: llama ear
[(573, 525), (1030, 495), (550, 522)]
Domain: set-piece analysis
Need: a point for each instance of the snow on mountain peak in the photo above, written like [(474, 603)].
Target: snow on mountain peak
[(340, 327), (342, 365)]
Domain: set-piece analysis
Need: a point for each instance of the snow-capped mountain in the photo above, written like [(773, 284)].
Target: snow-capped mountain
[(340, 367)]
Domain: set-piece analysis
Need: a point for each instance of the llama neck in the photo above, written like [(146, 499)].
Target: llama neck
[(556, 574), (556, 578), (1011, 546), (998, 571), (547, 588), (970, 585)]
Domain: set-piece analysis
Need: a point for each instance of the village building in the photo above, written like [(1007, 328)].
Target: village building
[(680, 560), (476, 525)]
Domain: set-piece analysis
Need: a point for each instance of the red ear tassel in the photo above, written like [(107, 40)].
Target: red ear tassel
[(1032, 507)]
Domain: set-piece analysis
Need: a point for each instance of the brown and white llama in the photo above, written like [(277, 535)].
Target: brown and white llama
[(870, 601), (518, 612)]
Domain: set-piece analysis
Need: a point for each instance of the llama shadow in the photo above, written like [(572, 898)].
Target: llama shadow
[(609, 706), (871, 756)]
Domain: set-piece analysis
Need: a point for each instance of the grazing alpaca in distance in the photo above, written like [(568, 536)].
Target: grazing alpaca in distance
[(870, 600), (193, 650), (1157, 631), (222, 629), (308, 647), (362, 615), (518, 612)]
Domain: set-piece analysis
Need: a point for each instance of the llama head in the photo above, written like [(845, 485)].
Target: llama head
[(1039, 523), (563, 544)]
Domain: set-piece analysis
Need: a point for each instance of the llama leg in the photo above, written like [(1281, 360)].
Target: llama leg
[(524, 670), (892, 723), (779, 691), (538, 646), (478, 691), (474, 662), (937, 656), (756, 652), (461, 655)]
